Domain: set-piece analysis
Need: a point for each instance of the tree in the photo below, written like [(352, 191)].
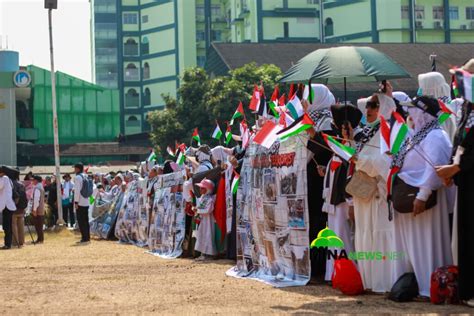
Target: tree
[(202, 101)]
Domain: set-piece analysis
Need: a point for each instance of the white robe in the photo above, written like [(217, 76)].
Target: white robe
[(338, 218), (205, 233), (424, 239), (373, 231)]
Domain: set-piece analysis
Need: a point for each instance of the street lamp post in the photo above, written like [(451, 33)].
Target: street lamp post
[(50, 5)]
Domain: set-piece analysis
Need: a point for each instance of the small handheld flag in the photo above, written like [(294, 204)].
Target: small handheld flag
[(301, 124), (170, 151), (445, 112), (152, 156), (217, 134), (196, 136), (235, 183), (238, 113), (267, 135), (398, 132), (343, 151), (295, 107), (274, 102), (228, 135), (255, 101)]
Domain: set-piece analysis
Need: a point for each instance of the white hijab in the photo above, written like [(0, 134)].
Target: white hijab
[(322, 97), (433, 84)]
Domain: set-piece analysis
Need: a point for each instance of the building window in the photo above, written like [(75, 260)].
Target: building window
[(201, 61), (312, 1), (132, 73), (453, 13), (438, 12), (405, 12), (286, 30), (470, 13), (328, 27), (216, 11), (146, 71), (132, 98), (147, 97), (216, 36), (133, 121), (130, 47), (200, 36), (145, 46), (199, 10), (420, 12), (145, 19), (130, 18)]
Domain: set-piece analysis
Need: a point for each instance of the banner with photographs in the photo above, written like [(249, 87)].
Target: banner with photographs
[(132, 220), (103, 225), (272, 215), (167, 229)]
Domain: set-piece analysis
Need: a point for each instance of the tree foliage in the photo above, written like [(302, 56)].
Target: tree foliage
[(202, 101)]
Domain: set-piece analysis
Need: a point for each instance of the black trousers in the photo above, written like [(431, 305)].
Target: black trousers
[(68, 214), (54, 213), (82, 213), (7, 217)]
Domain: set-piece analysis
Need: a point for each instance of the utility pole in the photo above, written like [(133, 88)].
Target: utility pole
[(321, 21), (50, 5)]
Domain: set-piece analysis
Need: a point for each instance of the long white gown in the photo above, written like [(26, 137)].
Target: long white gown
[(424, 239), (205, 243), (373, 231)]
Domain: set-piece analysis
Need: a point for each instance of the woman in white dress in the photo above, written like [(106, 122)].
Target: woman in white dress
[(373, 230), (423, 235), (205, 242)]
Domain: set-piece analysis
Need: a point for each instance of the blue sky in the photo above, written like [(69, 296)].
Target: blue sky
[(25, 22)]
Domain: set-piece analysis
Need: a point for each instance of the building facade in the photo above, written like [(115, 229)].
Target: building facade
[(142, 47)]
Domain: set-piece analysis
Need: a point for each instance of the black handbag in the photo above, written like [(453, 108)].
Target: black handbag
[(404, 195)]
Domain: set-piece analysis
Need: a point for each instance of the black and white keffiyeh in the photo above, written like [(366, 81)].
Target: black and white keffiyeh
[(318, 115), (364, 135), (410, 143)]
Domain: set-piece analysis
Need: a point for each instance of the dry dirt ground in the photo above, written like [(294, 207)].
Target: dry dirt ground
[(109, 278)]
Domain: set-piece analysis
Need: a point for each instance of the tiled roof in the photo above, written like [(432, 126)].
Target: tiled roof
[(413, 57)]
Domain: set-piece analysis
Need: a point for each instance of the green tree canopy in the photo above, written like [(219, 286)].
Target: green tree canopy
[(202, 101)]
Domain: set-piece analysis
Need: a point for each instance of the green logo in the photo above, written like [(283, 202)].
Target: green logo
[(327, 238)]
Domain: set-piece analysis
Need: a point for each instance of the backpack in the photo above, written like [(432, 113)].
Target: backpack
[(87, 187), (346, 277), (405, 289), (444, 285), (19, 195)]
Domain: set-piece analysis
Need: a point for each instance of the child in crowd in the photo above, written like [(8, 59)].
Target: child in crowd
[(205, 242)]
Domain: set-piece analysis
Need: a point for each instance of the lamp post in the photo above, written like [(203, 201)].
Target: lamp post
[(51, 5)]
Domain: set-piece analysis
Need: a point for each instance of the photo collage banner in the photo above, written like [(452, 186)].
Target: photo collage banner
[(272, 215), (103, 225)]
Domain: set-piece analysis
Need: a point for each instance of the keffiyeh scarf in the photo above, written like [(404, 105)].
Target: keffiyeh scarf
[(318, 115), (410, 143), (363, 136)]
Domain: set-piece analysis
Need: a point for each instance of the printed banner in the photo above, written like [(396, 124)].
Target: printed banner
[(167, 229), (132, 221), (272, 215), (103, 226)]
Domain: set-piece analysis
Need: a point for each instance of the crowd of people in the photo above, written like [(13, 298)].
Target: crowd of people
[(415, 200)]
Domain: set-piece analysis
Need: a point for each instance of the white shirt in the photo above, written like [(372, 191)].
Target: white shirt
[(78, 198), (67, 188), (6, 199)]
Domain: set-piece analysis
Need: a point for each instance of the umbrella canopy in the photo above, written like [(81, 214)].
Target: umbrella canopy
[(344, 64)]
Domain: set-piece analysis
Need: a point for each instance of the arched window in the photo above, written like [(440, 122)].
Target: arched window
[(132, 98), (147, 97), (328, 27), (146, 71), (133, 121), (132, 73), (145, 46), (130, 47), (132, 118)]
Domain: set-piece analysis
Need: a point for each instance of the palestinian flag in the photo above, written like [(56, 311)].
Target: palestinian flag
[(465, 81), (181, 158), (292, 91), (220, 215), (152, 156), (267, 135), (295, 107), (274, 103), (196, 136), (398, 132), (217, 134), (228, 135), (255, 101), (235, 183), (384, 136), (262, 109), (445, 112), (238, 113), (298, 126), (345, 152), (454, 87), (391, 178), (170, 151)]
